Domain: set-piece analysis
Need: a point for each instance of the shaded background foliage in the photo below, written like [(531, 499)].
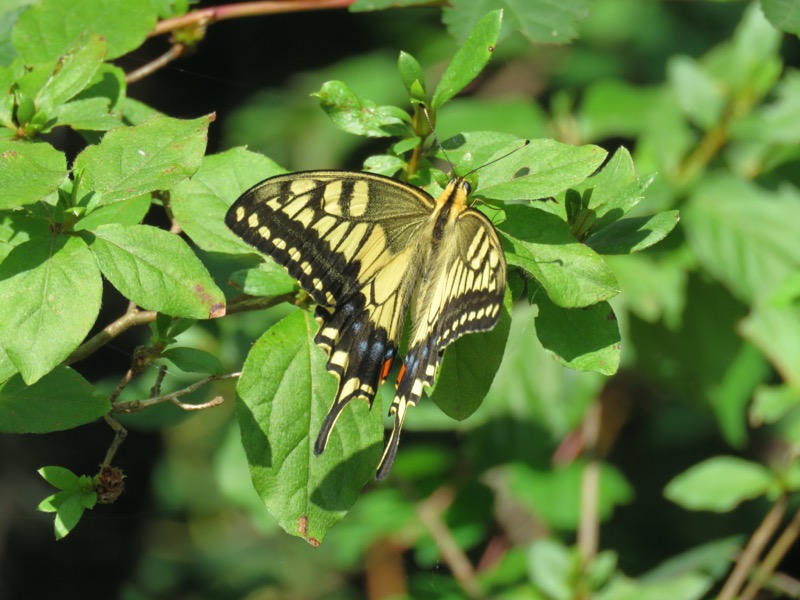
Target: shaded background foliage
[(190, 525)]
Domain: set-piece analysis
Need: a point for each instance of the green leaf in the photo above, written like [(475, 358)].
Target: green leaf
[(199, 204), (554, 496), (285, 392), (613, 108), (541, 21), (193, 360), (60, 477), (775, 330), (269, 280), (68, 514), (52, 502), (615, 190), (17, 227), (719, 484), (469, 366), (470, 59), (584, 339), (743, 235), (124, 212), (131, 161), (60, 400), (50, 27), (157, 270), (553, 568), (384, 164), (772, 403), (29, 171), (89, 114), (783, 14), (776, 122), (50, 291), (633, 235), (72, 73), (369, 5), (540, 169), (412, 76), (701, 98), (357, 115), (573, 275)]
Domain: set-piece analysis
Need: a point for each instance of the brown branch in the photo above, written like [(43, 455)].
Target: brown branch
[(175, 51), (139, 405), (767, 567), (429, 512), (755, 546), (135, 317), (205, 16), (120, 433)]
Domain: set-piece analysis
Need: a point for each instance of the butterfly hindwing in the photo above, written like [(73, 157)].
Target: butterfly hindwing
[(362, 245)]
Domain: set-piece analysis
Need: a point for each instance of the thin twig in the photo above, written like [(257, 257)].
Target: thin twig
[(755, 546), (120, 433), (175, 51), (778, 551), (589, 525), (204, 16), (138, 405), (429, 512), (135, 317)]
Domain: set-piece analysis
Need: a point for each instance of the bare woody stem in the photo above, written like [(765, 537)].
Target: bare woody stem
[(755, 546), (134, 317), (138, 405), (205, 16), (778, 551)]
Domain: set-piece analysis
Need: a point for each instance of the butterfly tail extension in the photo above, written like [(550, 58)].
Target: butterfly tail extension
[(418, 372), (357, 354)]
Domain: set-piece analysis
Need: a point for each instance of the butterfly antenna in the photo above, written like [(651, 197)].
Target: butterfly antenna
[(499, 158), (438, 141)]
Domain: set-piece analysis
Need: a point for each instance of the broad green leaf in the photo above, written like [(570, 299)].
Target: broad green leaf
[(50, 290), (8, 77), (357, 115), (469, 366), (553, 568), (783, 14), (541, 169), (269, 279), (7, 368), (89, 114), (17, 227), (9, 13), (193, 360), (157, 270), (72, 73), (773, 402), (615, 190), (612, 108), (573, 275), (701, 98), (541, 21), (60, 477), (554, 496), (584, 339), (68, 514), (775, 330), (734, 392), (199, 204), (530, 387), (29, 171), (384, 164), (52, 502), (776, 122), (131, 161), (743, 235), (633, 235), (124, 212), (687, 586), (285, 392), (60, 400), (719, 484), (50, 27), (470, 59)]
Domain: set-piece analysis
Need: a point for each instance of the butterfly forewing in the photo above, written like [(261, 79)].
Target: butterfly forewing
[(361, 245)]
